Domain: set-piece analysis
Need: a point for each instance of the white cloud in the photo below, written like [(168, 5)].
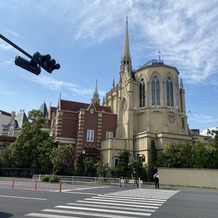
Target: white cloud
[(184, 31), (53, 84), (204, 131), (5, 47)]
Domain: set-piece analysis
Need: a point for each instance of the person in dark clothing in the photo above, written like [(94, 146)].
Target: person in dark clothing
[(156, 179)]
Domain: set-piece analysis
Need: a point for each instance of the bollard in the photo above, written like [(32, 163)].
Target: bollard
[(12, 186), (36, 184), (60, 186)]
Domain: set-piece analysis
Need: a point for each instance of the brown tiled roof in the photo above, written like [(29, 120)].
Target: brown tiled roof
[(73, 106), (52, 110), (76, 106), (103, 108)]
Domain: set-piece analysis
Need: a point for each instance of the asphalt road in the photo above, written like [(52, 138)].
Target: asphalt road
[(90, 201)]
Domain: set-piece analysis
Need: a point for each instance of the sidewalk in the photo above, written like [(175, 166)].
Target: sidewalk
[(151, 185)]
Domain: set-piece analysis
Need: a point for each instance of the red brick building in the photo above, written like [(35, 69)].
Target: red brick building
[(83, 125)]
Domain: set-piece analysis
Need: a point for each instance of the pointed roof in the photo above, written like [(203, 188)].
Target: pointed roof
[(126, 52), (181, 84), (43, 109), (21, 118), (95, 98)]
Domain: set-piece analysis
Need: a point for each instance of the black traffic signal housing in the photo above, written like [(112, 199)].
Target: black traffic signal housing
[(46, 62), (27, 65)]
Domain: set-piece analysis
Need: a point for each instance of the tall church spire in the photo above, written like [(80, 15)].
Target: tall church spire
[(126, 58), (95, 98)]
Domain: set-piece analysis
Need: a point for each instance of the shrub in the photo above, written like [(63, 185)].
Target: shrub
[(54, 178), (45, 178)]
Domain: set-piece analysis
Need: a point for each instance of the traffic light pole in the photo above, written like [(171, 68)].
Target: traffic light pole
[(36, 61), (137, 170), (15, 46)]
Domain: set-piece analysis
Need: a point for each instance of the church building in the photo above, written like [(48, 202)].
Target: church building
[(149, 104), (146, 104)]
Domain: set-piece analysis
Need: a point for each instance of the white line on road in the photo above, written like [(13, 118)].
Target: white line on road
[(117, 204), (48, 215), (83, 213), (20, 197), (82, 193), (112, 207), (123, 202), (104, 210)]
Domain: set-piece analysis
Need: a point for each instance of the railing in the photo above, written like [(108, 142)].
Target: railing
[(153, 61), (81, 180)]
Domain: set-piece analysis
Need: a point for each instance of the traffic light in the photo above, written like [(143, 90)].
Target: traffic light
[(143, 158), (46, 62), (27, 65)]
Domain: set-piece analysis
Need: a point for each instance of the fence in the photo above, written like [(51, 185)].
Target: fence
[(81, 180)]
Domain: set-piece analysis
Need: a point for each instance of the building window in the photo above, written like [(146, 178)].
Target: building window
[(90, 135), (116, 161), (142, 94), (169, 91), (109, 135), (155, 90)]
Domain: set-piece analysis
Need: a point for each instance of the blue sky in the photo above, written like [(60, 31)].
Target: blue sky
[(86, 37)]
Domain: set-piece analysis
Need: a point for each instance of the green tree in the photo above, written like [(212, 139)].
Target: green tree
[(80, 165), (5, 150), (200, 155), (214, 136), (176, 155), (62, 159), (103, 170), (123, 169), (132, 164), (33, 146), (152, 161)]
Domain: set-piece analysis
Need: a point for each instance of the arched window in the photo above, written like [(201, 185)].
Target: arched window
[(169, 91), (155, 90), (142, 94)]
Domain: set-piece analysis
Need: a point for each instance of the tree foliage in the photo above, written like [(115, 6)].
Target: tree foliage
[(33, 146), (152, 161), (5, 151), (176, 155), (123, 169), (103, 170), (186, 155), (62, 159)]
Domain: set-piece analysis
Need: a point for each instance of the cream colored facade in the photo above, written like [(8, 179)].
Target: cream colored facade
[(5, 118), (149, 103)]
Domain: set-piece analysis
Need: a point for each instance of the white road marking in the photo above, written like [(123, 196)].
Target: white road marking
[(20, 197)]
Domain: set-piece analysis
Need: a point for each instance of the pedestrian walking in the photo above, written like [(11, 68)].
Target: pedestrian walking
[(156, 179)]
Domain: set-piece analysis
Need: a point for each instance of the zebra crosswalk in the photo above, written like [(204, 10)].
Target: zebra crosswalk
[(135, 203)]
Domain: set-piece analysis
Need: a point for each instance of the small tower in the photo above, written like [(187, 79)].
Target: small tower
[(126, 63), (95, 99)]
